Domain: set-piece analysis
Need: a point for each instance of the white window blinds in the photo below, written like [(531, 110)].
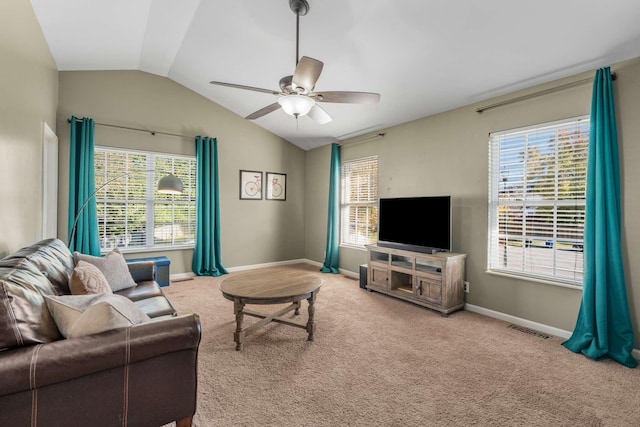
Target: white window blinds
[(359, 201), (131, 213), (537, 192)]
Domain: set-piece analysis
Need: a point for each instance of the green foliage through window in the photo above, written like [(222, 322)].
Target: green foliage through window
[(537, 197)]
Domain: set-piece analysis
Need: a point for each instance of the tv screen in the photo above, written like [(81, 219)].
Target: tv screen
[(421, 224)]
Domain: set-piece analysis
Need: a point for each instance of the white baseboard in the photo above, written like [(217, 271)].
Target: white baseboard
[(350, 274), (182, 276), (529, 324), (519, 321), (347, 273), (266, 264), (289, 262), (188, 275)]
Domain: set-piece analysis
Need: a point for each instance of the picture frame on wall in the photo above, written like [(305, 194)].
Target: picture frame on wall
[(276, 186), (250, 185)]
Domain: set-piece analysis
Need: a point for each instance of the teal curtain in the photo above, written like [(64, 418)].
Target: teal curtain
[(82, 184), (206, 254), (332, 259), (603, 329)]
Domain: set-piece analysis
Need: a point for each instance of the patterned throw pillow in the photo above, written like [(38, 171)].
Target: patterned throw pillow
[(79, 315), (88, 279), (113, 266)]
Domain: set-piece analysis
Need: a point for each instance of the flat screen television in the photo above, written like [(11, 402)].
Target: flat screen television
[(419, 224)]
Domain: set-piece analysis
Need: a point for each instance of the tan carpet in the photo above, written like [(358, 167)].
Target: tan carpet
[(377, 361)]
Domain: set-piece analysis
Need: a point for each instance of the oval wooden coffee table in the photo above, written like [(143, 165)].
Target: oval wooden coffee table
[(270, 287)]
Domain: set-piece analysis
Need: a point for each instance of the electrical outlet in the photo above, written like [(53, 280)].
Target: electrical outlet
[(466, 286)]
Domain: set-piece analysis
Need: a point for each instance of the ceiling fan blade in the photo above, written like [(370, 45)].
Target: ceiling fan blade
[(255, 89), (347, 97), (263, 111), (319, 115), (307, 72)]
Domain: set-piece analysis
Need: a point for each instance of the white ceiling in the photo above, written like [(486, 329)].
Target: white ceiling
[(422, 56)]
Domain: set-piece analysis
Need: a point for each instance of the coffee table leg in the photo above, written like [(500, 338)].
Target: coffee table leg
[(297, 310), (311, 327), (238, 336)]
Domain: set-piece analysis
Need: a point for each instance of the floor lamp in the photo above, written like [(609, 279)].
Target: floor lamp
[(169, 184)]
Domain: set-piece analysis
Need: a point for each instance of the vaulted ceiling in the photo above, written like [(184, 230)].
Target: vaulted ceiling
[(422, 56)]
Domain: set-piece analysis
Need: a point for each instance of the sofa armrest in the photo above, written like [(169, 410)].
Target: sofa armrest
[(142, 271), (29, 368)]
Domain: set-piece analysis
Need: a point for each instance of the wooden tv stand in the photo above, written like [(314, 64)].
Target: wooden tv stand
[(434, 280)]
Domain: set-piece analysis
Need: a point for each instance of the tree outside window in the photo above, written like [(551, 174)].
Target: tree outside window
[(537, 200)]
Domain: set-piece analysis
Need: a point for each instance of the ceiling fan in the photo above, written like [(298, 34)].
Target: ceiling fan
[(297, 96)]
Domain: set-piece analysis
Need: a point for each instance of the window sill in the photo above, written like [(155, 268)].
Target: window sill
[(140, 250), (534, 279), (355, 247)]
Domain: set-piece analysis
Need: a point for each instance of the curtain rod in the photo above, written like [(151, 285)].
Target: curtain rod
[(152, 132), (540, 93), (365, 138)]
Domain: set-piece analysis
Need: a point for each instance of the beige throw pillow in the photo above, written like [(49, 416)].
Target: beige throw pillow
[(113, 266), (88, 279), (79, 315)]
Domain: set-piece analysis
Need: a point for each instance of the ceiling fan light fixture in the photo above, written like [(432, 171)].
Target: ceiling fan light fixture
[(297, 96), (296, 105)]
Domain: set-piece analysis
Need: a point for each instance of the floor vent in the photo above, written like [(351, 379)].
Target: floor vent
[(529, 331)]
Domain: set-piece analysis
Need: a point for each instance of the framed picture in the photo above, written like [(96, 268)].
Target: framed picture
[(276, 184), (250, 185)]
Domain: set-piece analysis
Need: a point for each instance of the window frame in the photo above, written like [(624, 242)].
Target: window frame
[(345, 205), (151, 200), (569, 249)]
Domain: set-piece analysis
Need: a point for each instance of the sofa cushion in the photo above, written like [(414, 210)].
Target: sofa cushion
[(143, 290), (88, 279), (156, 307), (113, 266), (52, 258), (24, 318), (79, 315)]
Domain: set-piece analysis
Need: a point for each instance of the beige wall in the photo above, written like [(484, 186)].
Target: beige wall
[(447, 154), (28, 96), (442, 154), (253, 232)]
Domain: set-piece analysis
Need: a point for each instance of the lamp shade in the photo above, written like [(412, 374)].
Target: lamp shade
[(170, 184), (296, 105)]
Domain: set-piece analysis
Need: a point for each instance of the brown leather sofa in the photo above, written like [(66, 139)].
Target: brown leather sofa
[(143, 375)]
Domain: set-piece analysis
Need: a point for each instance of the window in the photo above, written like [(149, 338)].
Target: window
[(537, 191), (359, 205), (131, 213)]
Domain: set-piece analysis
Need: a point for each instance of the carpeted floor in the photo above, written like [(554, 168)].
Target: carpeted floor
[(377, 361)]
